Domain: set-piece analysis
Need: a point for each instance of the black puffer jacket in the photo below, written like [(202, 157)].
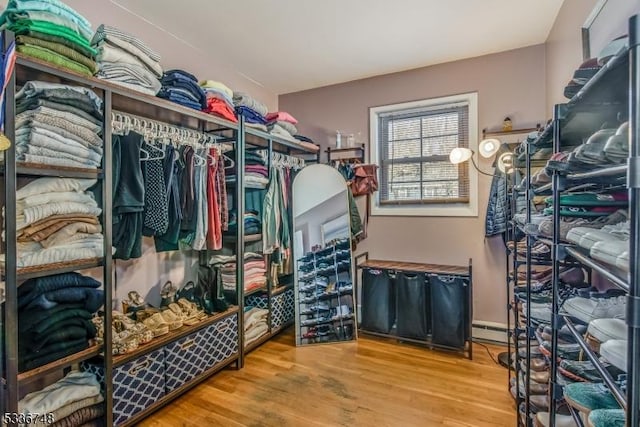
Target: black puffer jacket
[(496, 207)]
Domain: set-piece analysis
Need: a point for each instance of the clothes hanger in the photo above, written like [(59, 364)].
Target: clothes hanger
[(198, 159), (231, 164), (158, 153)]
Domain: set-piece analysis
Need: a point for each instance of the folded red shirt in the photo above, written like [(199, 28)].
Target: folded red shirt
[(220, 108), (281, 115)]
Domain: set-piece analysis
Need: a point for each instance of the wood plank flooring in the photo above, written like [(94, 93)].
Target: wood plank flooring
[(373, 382)]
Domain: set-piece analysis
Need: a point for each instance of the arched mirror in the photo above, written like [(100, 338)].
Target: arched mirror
[(322, 249)]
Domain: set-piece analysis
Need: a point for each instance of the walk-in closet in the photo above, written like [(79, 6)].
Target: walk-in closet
[(409, 213)]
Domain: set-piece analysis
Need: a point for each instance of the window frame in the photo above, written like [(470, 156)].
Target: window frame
[(466, 209)]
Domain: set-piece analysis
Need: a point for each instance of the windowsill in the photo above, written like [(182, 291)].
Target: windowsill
[(444, 210)]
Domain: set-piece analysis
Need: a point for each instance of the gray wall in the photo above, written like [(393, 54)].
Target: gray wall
[(508, 84)]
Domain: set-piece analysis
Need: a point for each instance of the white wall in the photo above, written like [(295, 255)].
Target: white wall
[(174, 52), (149, 273)]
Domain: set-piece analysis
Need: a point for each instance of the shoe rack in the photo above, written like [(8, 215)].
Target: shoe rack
[(612, 92), (325, 295)]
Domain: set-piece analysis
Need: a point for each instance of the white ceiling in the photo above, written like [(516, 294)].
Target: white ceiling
[(291, 45)]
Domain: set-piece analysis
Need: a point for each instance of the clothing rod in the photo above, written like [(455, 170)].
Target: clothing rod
[(126, 121), (282, 160)]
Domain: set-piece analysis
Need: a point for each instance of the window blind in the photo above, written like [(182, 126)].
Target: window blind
[(414, 147)]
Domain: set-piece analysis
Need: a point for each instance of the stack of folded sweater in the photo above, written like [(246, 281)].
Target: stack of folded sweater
[(252, 110), (126, 61), (51, 31), (58, 125), (256, 174), (219, 100), (252, 223), (282, 124), (255, 171), (182, 88), (255, 324), (254, 271), (57, 221), (75, 400), (54, 317), (307, 142)]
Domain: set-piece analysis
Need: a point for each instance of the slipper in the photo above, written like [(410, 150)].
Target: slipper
[(157, 325), (172, 320)]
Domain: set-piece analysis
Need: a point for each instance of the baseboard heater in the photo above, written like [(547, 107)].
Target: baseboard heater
[(489, 331)]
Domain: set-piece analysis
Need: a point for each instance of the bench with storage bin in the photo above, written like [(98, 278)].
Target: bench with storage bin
[(421, 303)]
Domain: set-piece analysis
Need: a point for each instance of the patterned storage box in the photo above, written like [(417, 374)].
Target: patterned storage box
[(258, 300), (283, 309), (222, 338), (190, 356), (136, 384), (282, 306)]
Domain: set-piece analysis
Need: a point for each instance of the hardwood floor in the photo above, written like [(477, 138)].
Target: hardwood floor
[(373, 382)]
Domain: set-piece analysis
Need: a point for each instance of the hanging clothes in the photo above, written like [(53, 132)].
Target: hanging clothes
[(285, 237), (276, 223), (271, 216), (173, 167), (214, 200), (156, 204), (202, 216), (221, 192), (128, 196), (188, 196)]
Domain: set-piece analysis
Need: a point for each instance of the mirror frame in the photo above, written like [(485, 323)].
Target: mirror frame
[(297, 256)]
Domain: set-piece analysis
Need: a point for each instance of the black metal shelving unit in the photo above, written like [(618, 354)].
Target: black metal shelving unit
[(256, 139), (633, 316), (522, 329), (119, 99), (613, 90)]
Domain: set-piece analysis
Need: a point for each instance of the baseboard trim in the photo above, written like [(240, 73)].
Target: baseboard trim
[(489, 331)]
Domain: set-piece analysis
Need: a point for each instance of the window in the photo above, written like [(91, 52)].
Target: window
[(411, 143)]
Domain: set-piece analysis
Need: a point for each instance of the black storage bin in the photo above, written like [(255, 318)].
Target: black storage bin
[(412, 305), (378, 301), (449, 313)]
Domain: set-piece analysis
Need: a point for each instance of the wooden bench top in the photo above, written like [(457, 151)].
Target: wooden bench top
[(417, 267)]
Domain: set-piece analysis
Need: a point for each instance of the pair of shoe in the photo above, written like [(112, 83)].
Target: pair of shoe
[(585, 371), (318, 331), (315, 310), (567, 224), (543, 420), (603, 330), (588, 397), (581, 76), (534, 387), (127, 334), (175, 316), (611, 304)]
